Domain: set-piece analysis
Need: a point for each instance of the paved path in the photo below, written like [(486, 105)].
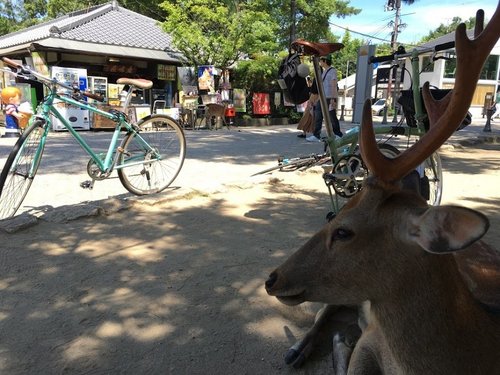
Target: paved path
[(214, 158)]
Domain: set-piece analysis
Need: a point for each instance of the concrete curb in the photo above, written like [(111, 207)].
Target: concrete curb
[(72, 212)]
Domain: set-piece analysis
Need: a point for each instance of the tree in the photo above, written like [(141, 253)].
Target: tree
[(58, 8), (217, 32), (443, 29), (11, 16), (258, 74), (311, 18), (347, 55), (148, 8)]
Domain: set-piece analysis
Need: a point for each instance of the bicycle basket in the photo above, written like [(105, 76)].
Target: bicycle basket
[(406, 102)]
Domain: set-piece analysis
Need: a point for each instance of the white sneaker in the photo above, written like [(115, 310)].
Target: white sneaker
[(312, 138)]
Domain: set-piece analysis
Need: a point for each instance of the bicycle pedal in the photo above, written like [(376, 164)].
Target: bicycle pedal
[(87, 184)]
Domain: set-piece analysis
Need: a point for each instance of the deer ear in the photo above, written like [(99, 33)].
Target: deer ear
[(446, 229)]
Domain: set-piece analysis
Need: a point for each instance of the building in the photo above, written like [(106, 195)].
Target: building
[(108, 42), (441, 73)]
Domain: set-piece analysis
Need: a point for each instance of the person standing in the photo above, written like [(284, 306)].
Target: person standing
[(329, 78)]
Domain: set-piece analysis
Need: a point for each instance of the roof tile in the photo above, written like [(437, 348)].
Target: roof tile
[(106, 24)]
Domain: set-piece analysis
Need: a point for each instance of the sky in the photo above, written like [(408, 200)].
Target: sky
[(420, 18)]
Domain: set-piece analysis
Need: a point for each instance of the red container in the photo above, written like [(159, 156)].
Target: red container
[(230, 112)]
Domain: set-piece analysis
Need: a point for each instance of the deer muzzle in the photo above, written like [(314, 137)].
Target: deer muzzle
[(276, 286)]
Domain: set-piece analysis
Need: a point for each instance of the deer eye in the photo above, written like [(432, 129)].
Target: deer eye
[(340, 234)]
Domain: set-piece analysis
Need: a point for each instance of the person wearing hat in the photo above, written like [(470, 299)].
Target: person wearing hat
[(329, 78)]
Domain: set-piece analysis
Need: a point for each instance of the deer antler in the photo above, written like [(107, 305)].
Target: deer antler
[(444, 115)]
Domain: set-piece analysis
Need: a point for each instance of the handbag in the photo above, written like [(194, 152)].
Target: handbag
[(306, 123)]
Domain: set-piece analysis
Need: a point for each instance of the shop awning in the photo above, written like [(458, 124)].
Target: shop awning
[(92, 48)]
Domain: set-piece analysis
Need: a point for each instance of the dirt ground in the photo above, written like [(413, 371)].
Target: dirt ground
[(177, 287)]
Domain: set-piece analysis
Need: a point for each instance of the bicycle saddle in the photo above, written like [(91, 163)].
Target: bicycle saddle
[(137, 82), (317, 49)]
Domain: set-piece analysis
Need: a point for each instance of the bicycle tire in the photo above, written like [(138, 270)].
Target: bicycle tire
[(20, 169), (288, 166), (388, 150), (304, 163), (434, 173), (167, 138)]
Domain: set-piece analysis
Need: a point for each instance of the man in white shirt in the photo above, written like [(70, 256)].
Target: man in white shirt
[(329, 78)]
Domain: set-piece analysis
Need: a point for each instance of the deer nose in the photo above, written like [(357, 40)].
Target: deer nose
[(271, 280)]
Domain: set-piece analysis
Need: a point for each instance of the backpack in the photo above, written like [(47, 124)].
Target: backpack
[(406, 101), (294, 86)]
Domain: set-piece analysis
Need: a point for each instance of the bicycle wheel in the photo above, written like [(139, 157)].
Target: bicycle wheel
[(20, 169), (434, 175), (388, 150), (288, 165), (148, 169)]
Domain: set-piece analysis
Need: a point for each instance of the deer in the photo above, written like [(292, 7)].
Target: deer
[(215, 110), (388, 251)]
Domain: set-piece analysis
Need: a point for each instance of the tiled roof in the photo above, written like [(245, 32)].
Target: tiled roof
[(105, 24)]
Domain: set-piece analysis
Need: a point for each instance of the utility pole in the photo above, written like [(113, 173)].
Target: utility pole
[(394, 5), (293, 20)]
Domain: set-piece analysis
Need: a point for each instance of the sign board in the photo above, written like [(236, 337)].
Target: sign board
[(261, 103), (166, 72)]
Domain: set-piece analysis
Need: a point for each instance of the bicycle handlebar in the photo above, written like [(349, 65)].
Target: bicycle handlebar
[(28, 71), (401, 53)]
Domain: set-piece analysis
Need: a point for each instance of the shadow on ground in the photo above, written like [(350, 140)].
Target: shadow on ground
[(155, 290)]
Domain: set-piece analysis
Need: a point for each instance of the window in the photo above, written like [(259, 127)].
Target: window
[(489, 71), (427, 64), (490, 68), (450, 65)]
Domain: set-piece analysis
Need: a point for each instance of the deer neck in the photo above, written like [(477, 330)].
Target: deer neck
[(438, 324)]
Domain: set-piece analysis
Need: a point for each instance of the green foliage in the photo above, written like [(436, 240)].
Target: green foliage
[(311, 18), (347, 55), (383, 49), (443, 29), (258, 74), (10, 16), (35, 9), (6, 26), (58, 8), (211, 32)]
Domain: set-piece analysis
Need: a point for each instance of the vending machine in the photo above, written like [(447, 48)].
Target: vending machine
[(99, 86), (79, 118)]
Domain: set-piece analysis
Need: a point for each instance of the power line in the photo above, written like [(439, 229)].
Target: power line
[(371, 36), (359, 33)]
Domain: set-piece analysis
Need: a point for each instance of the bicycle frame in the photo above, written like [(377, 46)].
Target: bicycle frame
[(348, 144), (106, 164)]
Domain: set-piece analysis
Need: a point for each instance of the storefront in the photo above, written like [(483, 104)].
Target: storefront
[(96, 47)]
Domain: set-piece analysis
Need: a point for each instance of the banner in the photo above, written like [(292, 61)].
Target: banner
[(261, 103), (206, 80), (239, 100)]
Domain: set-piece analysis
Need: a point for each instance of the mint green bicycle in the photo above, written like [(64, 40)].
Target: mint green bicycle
[(148, 156)]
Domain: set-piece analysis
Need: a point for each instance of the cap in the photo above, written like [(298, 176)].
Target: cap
[(327, 58)]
